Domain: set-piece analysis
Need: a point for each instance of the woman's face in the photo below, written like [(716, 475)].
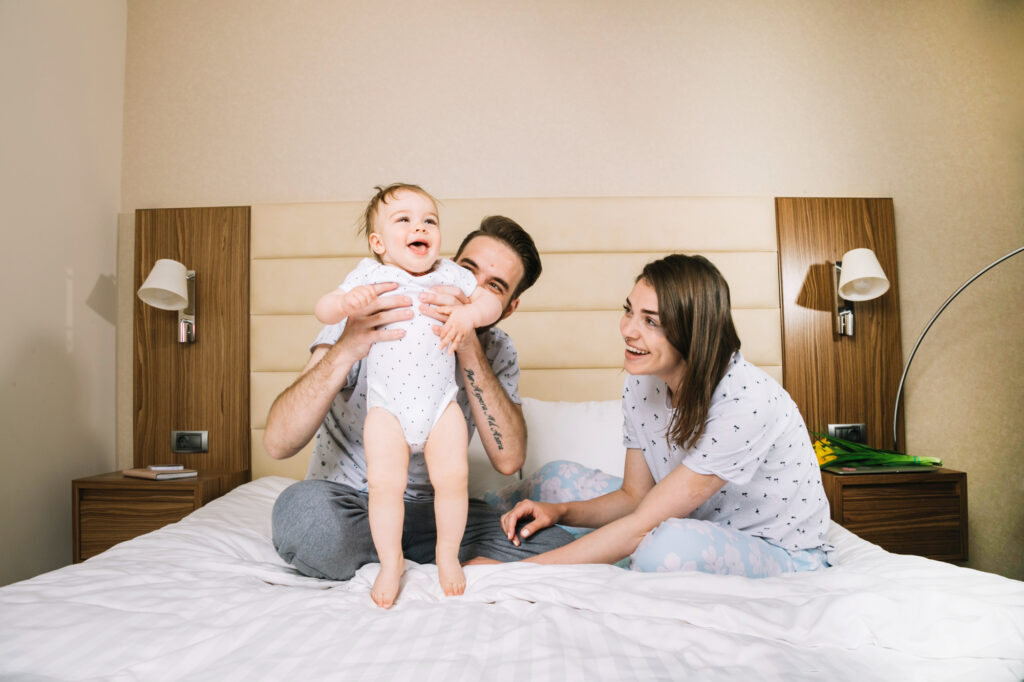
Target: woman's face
[(647, 349)]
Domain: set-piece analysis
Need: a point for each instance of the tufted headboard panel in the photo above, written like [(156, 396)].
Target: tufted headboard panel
[(566, 328)]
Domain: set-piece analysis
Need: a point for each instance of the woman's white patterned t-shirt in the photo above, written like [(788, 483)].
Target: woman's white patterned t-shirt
[(754, 439)]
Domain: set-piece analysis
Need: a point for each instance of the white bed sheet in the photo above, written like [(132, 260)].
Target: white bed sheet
[(208, 599)]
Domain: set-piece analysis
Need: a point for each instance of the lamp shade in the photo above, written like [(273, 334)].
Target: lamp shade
[(862, 278), (166, 287)]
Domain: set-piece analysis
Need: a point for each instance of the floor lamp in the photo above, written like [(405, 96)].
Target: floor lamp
[(899, 391)]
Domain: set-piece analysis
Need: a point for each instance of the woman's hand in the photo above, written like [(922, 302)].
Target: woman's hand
[(542, 513)]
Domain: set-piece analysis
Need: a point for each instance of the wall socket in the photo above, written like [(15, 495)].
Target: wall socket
[(856, 433), (189, 441)]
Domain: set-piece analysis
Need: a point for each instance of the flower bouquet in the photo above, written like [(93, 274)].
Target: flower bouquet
[(832, 452)]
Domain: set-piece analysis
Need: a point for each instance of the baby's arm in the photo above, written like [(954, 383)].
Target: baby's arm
[(484, 308), (336, 305)]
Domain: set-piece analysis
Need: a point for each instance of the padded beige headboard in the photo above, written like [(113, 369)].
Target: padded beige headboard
[(566, 328)]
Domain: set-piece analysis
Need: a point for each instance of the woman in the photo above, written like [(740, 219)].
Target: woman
[(720, 475)]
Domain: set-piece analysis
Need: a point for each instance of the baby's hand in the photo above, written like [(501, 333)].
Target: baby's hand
[(358, 298), (456, 327)]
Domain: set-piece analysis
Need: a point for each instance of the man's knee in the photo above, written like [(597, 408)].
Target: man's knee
[(296, 507), (315, 527)]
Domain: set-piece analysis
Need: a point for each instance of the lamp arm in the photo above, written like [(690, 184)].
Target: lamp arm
[(899, 391)]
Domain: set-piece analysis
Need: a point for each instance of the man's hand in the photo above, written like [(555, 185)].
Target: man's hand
[(454, 331), (440, 300), (297, 413), (439, 303), (365, 323)]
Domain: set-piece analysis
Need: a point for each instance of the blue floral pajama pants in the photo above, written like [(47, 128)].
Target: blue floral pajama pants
[(676, 544)]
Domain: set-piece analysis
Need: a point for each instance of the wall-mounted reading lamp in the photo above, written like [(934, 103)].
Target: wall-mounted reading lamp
[(171, 286), (857, 277)]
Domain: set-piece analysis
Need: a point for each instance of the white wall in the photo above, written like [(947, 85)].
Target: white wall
[(62, 86), (231, 102)]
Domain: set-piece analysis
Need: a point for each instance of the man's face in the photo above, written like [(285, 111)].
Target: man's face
[(496, 266)]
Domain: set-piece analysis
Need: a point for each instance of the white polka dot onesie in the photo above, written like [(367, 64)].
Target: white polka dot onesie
[(412, 378)]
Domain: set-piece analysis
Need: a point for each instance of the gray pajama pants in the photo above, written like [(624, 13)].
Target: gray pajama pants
[(322, 528)]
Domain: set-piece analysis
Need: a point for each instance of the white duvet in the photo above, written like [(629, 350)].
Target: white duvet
[(208, 599)]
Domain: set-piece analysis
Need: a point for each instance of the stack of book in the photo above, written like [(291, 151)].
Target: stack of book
[(161, 472)]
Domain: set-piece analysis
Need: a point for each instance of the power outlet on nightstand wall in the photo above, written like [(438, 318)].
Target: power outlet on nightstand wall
[(190, 441), (856, 433)]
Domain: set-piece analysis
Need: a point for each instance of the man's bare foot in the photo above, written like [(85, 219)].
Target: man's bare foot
[(385, 587), (451, 577)]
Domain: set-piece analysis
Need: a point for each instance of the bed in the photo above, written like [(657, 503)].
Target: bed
[(208, 598)]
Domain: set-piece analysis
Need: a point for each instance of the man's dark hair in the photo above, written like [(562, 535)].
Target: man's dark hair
[(519, 240)]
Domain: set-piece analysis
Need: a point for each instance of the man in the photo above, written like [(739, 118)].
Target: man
[(321, 525)]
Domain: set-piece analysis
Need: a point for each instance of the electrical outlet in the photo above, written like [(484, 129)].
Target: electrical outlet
[(856, 433), (189, 441)]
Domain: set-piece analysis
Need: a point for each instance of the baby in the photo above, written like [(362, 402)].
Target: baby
[(411, 382)]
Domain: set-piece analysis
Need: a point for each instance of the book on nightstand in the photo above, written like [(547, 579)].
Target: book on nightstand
[(160, 475)]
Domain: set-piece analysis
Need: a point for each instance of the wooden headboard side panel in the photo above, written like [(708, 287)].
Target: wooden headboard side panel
[(839, 380), (201, 386), (566, 329)]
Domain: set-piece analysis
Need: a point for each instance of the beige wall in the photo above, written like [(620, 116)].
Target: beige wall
[(62, 85)]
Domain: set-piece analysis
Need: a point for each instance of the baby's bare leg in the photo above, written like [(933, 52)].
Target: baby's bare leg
[(387, 473), (447, 464)]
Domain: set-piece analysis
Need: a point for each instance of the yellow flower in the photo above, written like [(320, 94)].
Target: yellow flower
[(824, 452)]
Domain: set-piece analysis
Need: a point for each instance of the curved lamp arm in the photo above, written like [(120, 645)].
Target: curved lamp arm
[(899, 391)]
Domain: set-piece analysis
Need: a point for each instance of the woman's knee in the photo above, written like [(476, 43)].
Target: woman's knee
[(566, 481), (674, 545), (693, 545)]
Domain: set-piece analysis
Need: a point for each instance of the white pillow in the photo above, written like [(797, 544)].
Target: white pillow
[(586, 432)]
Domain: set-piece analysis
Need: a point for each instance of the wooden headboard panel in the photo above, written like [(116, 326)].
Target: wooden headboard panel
[(566, 328)]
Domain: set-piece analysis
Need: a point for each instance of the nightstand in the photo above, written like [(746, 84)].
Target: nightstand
[(906, 513), (110, 508)]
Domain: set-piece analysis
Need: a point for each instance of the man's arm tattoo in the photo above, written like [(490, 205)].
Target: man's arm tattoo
[(477, 393)]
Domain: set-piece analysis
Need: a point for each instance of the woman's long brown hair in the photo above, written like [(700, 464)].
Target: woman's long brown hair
[(695, 314)]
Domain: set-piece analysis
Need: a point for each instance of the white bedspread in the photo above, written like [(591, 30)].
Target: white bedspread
[(208, 599)]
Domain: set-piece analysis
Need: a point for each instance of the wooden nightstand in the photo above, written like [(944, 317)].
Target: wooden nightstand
[(110, 508), (908, 513)]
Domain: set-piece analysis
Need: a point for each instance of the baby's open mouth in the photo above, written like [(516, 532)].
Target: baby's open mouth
[(419, 248)]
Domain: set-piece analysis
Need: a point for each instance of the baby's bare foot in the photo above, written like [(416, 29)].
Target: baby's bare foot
[(385, 587), (451, 577)]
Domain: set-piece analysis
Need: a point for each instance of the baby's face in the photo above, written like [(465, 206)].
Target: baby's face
[(406, 232)]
